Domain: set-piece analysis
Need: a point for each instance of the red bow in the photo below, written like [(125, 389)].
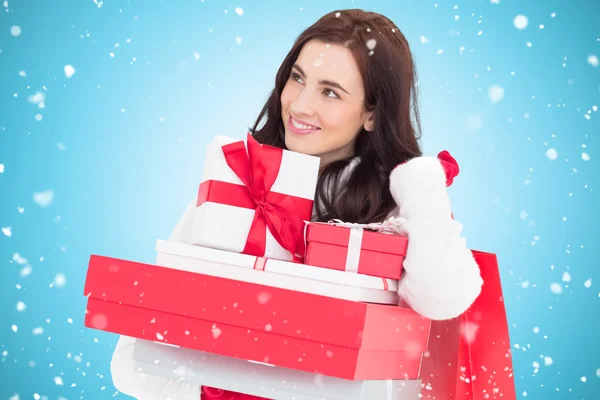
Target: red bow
[(258, 169), (450, 166)]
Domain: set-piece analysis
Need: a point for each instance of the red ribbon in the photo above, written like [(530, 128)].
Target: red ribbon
[(284, 215)]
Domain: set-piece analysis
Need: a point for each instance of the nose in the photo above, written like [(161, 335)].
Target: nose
[(303, 104)]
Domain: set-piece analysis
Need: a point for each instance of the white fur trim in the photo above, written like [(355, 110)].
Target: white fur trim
[(417, 175)]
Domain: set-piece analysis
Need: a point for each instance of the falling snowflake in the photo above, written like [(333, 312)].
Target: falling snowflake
[(18, 259), (264, 298), (593, 60), (585, 156), (1, 168), (239, 11), (43, 199), (588, 283), (468, 331), (238, 40), (216, 332), (552, 154), (21, 306), (60, 280), (15, 30), (99, 321), (69, 71), (38, 98), (520, 22), (556, 288), (7, 230), (496, 93), (319, 381)]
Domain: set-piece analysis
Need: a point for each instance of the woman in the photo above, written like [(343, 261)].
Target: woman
[(346, 92)]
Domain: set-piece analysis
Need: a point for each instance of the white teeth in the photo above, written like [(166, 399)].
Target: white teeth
[(302, 126)]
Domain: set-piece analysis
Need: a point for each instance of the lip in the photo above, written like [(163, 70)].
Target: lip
[(299, 131)]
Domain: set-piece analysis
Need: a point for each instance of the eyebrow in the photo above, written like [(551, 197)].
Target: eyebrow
[(322, 81)]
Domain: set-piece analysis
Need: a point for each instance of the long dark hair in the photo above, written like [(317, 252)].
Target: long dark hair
[(389, 78)]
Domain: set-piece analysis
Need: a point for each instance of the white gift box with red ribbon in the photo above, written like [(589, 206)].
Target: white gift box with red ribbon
[(276, 273), (254, 199)]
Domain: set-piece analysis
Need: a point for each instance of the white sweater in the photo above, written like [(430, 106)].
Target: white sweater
[(440, 281)]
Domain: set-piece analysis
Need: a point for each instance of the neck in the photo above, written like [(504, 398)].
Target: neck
[(336, 155)]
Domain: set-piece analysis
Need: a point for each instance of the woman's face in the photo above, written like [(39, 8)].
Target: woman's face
[(322, 103)]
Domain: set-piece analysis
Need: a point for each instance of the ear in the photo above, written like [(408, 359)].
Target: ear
[(369, 124)]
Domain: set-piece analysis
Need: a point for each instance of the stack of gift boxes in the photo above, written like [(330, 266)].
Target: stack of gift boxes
[(262, 301)]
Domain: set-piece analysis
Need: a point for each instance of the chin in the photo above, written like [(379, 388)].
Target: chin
[(301, 144)]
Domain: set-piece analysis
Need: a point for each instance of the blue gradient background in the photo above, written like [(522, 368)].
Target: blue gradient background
[(121, 144)]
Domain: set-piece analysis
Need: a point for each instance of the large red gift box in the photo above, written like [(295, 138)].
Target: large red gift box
[(469, 357), (355, 250), (302, 331)]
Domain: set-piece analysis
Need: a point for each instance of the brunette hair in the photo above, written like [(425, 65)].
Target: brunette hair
[(389, 79)]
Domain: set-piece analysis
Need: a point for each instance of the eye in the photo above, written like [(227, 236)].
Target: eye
[(329, 92), (296, 77)]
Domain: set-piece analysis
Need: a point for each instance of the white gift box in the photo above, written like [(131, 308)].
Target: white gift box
[(260, 379), (223, 226), (276, 273)]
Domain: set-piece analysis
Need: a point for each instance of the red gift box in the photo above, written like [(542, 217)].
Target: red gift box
[(355, 250), (334, 337), (469, 357)]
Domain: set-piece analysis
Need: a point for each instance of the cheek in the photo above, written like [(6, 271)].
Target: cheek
[(286, 98), (339, 119)]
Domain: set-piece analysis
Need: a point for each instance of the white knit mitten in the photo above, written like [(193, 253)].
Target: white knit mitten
[(441, 278)]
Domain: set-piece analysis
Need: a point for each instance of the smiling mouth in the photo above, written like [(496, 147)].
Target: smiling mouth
[(300, 128)]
